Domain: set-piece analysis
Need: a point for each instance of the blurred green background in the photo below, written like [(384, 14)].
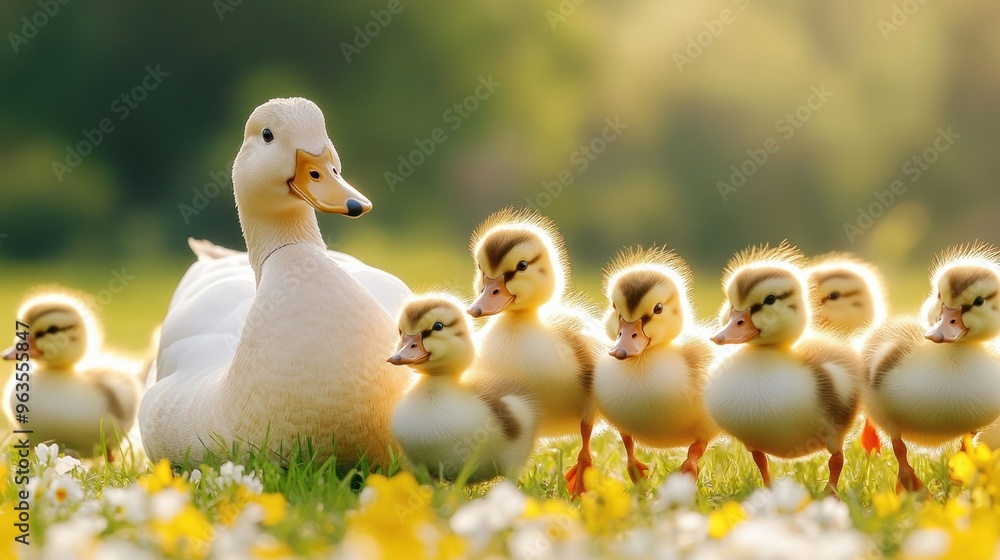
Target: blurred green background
[(698, 84)]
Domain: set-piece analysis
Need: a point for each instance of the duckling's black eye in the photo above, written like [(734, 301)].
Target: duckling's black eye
[(439, 326), (52, 330), (834, 296), (979, 301), (522, 266), (769, 300), (658, 308), (267, 135)]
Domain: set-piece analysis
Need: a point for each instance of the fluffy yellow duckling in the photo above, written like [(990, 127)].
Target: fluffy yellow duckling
[(847, 297), (444, 424), (846, 294), (781, 393), (650, 385), (521, 267), (73, 393), (930, 386)]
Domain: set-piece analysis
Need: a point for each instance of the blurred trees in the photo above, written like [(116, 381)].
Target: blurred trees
[(561, 78)]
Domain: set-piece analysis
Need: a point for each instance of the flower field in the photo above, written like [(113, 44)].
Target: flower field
[(130, 509)]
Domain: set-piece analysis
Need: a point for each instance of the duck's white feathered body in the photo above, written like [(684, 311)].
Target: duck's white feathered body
[(930, 393), (442, 424), (553, 363), (657, 396), (776, 402), (307, 344)]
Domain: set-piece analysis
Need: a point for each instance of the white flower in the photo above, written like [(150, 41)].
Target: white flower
[(195, 476), (677, 491), (480, 519), (167, 503), (230, 474), (926, 543), (130, 502), (64, 490), (367, 496), (71, 539), (121, 550), (830, 513), (66, 465), (46, 453), (789, 496)]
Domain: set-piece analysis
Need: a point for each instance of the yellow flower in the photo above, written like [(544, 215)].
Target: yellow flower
[(161, 478), (556, 508), (188, 531), (8, 517), (722, 520), (271, 550), (947, 515), (605, 504), (886, 503), (962, 468), (274, 505), (398, 521)]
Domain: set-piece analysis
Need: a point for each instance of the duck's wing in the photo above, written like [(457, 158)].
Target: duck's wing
[(206, 315), (888, 345), (388, 290)]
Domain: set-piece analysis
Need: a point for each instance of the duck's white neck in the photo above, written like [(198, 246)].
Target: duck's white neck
[(265, 235)]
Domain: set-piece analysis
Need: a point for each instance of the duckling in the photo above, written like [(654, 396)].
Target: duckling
[(781, 393), (847, 294), (444, 424), (521, 267), (931, 386), (75, 395), (650, 384)]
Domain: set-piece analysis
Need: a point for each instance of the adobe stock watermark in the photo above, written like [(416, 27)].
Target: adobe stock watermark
[(201, 196), (563, 11), (364, 34), (579, 160), (901, 14), (786, 127), (454, 117), (224, 7), (914, 168), (698, 43), (31, 25), (121, 107)]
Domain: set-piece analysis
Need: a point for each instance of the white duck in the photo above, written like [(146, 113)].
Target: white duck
[(295, 349), (447, 425), (650, 385), (931, 386), (75, 392)]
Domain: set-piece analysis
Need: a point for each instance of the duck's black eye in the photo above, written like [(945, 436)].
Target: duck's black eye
[(979, 301), (267, 135), (834, 296), (522, 266), (52, 330), (658, 308), (769, 300), (439, 326)]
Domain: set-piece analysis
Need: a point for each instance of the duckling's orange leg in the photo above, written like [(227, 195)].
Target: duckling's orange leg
[(836, 467), (636, 468), (690, 465), (574, 477), (907, 478), (761, 459)]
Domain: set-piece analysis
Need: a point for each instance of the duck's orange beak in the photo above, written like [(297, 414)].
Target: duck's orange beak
[(317, 182), (411, 351), (631, 340), (949, 327), (493, 299), (11, 353), (739, 330)]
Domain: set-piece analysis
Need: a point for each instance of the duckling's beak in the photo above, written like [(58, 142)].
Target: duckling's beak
[(631, 340), (411, 351), (319, 183), (9, 354), (493, 299), (739, 330), (949, 327)]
